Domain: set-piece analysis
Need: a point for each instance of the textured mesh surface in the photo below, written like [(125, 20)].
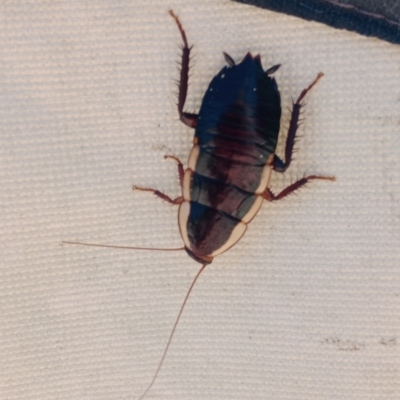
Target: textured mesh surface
[(305, 307)]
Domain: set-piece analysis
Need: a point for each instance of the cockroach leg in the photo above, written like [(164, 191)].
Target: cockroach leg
[(161, 195), (181, 171), (270, 196), (187, 118), (278, 164)]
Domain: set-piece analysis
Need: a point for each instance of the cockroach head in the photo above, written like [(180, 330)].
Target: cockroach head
[(204, 260)]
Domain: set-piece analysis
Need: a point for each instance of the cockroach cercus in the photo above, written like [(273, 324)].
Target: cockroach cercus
[(233, 155)]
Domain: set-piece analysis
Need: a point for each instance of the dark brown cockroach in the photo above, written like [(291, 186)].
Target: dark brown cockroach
[(230, 164)]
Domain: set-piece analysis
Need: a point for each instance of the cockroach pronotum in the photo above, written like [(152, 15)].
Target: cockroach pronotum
[(229, 166)]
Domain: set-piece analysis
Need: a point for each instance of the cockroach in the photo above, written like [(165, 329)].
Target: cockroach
[(230, 164)]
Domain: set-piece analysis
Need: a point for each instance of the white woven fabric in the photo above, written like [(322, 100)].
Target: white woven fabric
[(306, 306)]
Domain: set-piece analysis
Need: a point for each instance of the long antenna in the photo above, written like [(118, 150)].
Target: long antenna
[(172, 333), (123, 247)]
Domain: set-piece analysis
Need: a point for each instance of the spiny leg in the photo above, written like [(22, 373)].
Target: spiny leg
[(268, 195), (278, 164), (187, 118)]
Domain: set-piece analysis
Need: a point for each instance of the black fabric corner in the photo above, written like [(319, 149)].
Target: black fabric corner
[(366, 17)]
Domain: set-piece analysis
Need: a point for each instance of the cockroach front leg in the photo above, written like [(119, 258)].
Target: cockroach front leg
[(268, 195), (187, 118), (278, 164)]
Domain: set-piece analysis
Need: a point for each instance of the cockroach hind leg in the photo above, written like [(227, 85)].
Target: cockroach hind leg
[(187, 118), (270, 196), (161, 195)]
